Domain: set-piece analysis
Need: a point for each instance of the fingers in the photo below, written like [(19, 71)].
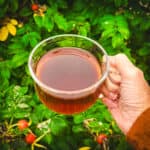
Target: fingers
[(121, 63), (109, 103), (111, 86), (109, 94), (114, 76)]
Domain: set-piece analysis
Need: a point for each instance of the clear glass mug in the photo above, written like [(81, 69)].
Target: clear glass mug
[(68, 101)]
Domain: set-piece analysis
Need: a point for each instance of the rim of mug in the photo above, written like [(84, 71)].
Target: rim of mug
[(65, 92)]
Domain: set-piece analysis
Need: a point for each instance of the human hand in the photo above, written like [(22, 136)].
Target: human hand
[(126, 93)]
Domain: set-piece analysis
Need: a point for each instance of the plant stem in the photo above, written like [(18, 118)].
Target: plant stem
[(40, 137), (40, 146)]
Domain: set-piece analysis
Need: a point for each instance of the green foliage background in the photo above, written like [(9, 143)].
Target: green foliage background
[(121, 26)]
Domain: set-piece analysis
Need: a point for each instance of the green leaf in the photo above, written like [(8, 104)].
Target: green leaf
[(121, 21), (117, 40), (107, 115), (82, 31), (48, 23), (19, 59), (57, 125), (5, 73), (144, 51), (15, 45), (124, 32), (78, 119), (33, 42), (15, 48), (47, 138), (108, 33), (61, 22), (108, 21), (35, 35), (31, 38), (38, 20), (45, 22), (71, 25), (19, 91), (21, 114), (4, 84), (78, 128)]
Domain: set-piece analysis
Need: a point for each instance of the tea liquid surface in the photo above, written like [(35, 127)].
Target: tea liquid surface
[(68, 69)]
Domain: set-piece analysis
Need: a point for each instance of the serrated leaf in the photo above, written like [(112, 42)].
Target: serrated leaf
[(33, 42), (25, 39), (107, 20), (48, 23), (82, 31), (5, 73), (21, 114), (61, 22), (38, 20), (47, 138), (20, 90), (31, 38), (108, 25), (121, 21), (71, 25), (15, 48), (57, 125), (77, 128), (34, 38), (11, 28), (117, 40), (124, 32), (108, 33), (19, 59), (3, 33), (78, 119)]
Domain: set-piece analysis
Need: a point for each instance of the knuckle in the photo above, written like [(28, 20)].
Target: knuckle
[(121, 56), (136, 72)]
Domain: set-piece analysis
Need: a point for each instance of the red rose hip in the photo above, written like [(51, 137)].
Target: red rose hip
[(30, 138), (100, 138), (22, 124)]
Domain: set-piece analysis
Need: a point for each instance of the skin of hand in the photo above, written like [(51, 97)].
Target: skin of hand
[(126, 92)]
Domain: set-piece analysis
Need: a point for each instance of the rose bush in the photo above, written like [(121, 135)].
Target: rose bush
[(119, 25)]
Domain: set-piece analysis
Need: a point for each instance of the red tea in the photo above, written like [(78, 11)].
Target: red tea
[(68, 69)]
